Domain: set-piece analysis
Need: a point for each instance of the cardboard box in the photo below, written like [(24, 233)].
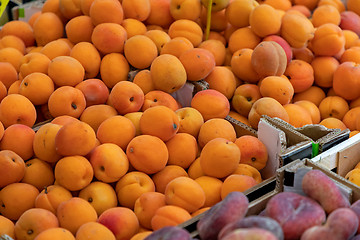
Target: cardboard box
[(287, 143), (341, 158), (288, 178), (283, 143), (24, 11)]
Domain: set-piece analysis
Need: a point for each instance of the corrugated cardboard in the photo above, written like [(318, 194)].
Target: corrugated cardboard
[(341, 158), (24, 11), (241, 129), (283, 143)]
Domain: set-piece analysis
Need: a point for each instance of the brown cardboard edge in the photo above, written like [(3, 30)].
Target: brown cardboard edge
[(241, 128), (330, 158), (288, 129)]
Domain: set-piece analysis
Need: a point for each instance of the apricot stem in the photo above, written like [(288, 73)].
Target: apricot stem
[(208, 19)]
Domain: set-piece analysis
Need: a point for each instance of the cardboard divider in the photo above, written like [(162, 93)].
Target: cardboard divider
[(341, 158), (241, 129), (284, 144)]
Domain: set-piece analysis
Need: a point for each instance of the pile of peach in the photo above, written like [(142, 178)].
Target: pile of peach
[(306, 214), (123, 152)]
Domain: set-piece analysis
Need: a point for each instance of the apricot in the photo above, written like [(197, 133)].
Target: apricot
[(219, 158), (198, 63), (260, 59), (296, 29), (100, 195), (159, 121), (16, 198), (147, 153), (164, 176), (177, 194), (13, 167), (211, 104), (277, 87), (262, 107), (34, 221), (169, 215), (126, 97), (93, 231), (143, 44), (168, 73), (131, 186), (51, 196), (65, 168), (75, 212), (215, 128)]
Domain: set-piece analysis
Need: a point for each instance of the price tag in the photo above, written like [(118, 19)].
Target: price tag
[(3, 4)]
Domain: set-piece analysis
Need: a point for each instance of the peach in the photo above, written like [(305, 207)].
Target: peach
[(255, 232), (232, 208), (256, 221), (330, 198), (355, 206), (294, 223), (169, 233), (342, 223)]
